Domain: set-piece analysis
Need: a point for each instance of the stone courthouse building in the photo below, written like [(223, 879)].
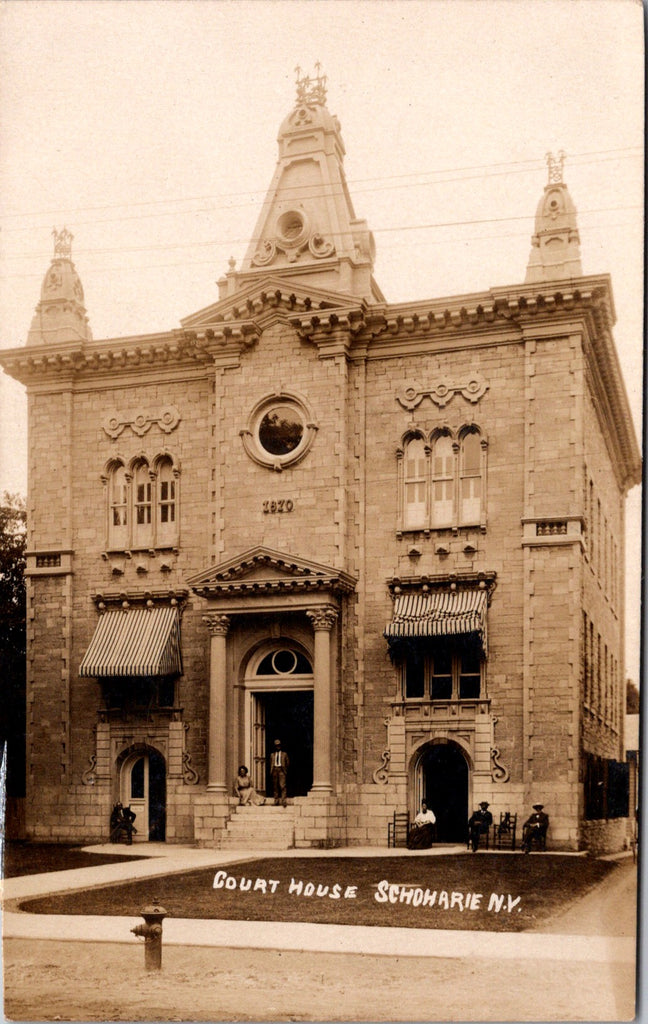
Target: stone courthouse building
[(391, 535)]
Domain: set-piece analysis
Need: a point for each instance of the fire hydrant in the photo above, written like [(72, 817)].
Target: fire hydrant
[(151, 932)]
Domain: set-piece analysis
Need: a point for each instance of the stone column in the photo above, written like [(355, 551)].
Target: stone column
[(323, 620), (218, 626)]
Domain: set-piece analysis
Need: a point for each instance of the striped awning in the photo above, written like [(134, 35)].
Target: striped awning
[(135, 642), (423, 615)]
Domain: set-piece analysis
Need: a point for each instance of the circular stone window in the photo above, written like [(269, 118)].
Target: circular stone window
[(292, 227), (280, 431)]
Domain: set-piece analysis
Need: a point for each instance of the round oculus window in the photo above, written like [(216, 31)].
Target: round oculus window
[(292, 227), (281, 429)]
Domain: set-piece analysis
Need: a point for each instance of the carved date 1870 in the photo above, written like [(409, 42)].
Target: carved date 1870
[(280, 505)]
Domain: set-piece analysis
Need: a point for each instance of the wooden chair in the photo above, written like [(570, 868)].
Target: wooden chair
[(398, 829), (504, 832)]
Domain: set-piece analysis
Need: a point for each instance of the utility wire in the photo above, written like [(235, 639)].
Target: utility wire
[(90, 271), (243, 241), (297, 190)]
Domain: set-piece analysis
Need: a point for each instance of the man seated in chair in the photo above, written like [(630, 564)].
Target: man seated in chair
[(479, 824), (421, 835), (535, 828)]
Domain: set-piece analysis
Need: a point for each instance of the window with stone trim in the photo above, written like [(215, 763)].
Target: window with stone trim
[(442, 480), (118, 518), (142, 503), (470, 478), (415, 510), (138, 692), (446, 672), (143, 506)]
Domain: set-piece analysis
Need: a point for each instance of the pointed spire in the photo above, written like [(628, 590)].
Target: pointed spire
[(555, 243), (60, 315), (307, 228)]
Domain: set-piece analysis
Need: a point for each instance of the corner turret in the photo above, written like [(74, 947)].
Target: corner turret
[(555, 244), (60, 315)]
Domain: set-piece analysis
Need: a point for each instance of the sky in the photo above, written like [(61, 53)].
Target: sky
[(149, 129)]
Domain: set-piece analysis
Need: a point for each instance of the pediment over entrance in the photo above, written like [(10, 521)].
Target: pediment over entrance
[(261, 570)]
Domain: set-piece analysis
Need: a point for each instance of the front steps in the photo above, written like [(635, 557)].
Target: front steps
[(260, 828)]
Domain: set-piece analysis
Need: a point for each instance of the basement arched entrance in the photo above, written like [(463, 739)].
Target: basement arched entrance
[(442, 780), (142, 785)]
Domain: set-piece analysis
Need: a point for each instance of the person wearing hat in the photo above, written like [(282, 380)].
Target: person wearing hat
[(535, 828), (479, 824)]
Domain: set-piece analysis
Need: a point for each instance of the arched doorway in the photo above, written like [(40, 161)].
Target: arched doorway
[(279, 705), (143, 787), (442, 775)]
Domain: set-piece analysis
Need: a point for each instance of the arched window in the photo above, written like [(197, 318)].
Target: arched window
[(118, 508), (167, 530), (415, 485), (470, 483), (443, 481), (142, 506)]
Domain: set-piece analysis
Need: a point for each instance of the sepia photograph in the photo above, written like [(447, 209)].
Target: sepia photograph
[(321, 413)]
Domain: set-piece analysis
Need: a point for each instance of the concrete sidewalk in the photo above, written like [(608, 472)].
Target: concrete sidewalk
[(407, 942)]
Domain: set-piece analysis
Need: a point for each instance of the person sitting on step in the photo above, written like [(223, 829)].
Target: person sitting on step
[(244, 789)]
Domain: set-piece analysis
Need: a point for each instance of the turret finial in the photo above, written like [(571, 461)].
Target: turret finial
[(62, 243), (555, 165), (311, 90)]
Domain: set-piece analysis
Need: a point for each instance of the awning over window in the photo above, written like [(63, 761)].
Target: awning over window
[(135, 642), (419, 615)]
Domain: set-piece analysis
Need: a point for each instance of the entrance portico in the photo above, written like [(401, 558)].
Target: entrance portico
[(259, 597)]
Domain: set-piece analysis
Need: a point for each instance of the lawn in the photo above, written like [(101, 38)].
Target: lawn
[(32, 858), (493, 892)]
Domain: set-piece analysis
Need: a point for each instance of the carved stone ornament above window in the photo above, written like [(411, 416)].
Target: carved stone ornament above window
[(167, 420), (471, 388), (293, 234)]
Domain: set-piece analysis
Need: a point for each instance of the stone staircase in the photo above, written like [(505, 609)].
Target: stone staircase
[(260, 828)]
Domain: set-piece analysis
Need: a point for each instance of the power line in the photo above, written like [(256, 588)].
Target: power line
[(466, 239), (241, 241), (296, 190)]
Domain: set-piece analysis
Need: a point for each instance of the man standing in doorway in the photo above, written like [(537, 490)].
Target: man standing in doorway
[(279, 771)]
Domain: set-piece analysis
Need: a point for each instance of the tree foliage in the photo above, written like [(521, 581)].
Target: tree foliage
[(12, 575), (632, 698), (13, 637)]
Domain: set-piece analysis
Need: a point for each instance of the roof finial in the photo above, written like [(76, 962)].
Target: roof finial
[(555, 165), (311, 90), (62, 243)]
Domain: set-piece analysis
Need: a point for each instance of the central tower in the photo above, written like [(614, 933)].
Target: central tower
[(307, 229)]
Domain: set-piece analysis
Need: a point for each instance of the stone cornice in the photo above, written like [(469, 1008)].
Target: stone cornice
[(445, 581), (611, 400), (458, 315), (177, 349)]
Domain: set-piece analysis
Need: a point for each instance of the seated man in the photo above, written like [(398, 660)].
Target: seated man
[(535, 828), (479, 824), (421, 835), (129, 818), (117, 823)]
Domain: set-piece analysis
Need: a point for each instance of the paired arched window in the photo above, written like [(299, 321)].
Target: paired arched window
[(442, 481), (142, 504)]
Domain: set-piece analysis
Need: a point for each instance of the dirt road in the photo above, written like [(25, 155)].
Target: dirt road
[(106, 982)]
